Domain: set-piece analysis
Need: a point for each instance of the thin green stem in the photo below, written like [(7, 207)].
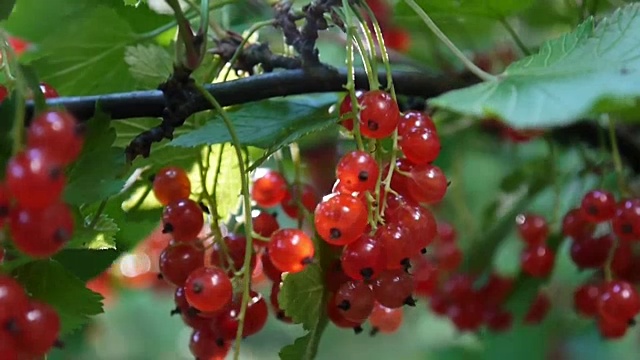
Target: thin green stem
[(297, 165), (514, 35), (617, 160), (383, 49), (373, 77), (371, 54), (203, 165), (557, 185), (246, 275), (13, 72), (96, 217), (483, 75), (255, 27), (351, 76)]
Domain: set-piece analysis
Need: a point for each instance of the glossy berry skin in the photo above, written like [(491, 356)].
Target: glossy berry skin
[(190, 316), (421, 146), (346, 107), (626, 222), (355, 300), (576, 225), (425, 276), (236, 245), (598, 206), (340, 219), (466, 315), (41, 233), (290, 250), (358, 171), (427, 184), (612, 329), (39, 328), (336, 316), (171, 184), (363, 259), (183, 219), (58, 133), (537, 261), (207, 344), (532, 228), (208, 289), (379, 114), (448, 256), (419, 223), (538, 309), (618, 301), (308, 198), (397, 250), (591, 252), (35, 179), (5, 204), (48, 91), (264, 224), (415, 120), (179, 260), (269, 190), (393, 288), (384, 319), (13, 299), (255, 316), (585, 300), (274, 274)]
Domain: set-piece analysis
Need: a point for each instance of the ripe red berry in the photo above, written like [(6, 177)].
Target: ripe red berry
[(274, 274), (334, 277), (397, 250), (397, 39), (497, 289), (384, 319), (183, 219), (232, 255), (355, 300), (190, 316), (5, 204), (537, 261), (307, 196), (336, 316), (618, 301), (598, 206), (290, 250), (533, 228), (611, 328), (13, 299), (419, 223), (466, 315), (254, 320), (415, 120), (208, 289), (458, 287), (358, 171), (48, 91), (538, 309), (585, 300), (35, 179), (498, 320), (446, 232), (3, 93), (427, 184), (43, 232), (179, 260), (346, 108), (576, 225), (39, 328), (208, 344), (171, 184), (275, 303), (448, 256), (425, 276), (421, 146), (364, 258), (591, 252), (269, 190), (340, 219), (264, 224), (626, 222), (58, 133), (379, 114), (393, 288)]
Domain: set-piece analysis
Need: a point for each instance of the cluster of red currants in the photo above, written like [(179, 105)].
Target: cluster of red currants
[(28, 328)]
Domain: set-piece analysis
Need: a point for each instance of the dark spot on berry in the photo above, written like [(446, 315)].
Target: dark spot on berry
[(280, 315), (448, 183), (363, 175), (160, 277), (592, 210), (4, 211), (55, 173), (306, 261), (344, 305), (61, 235), (374, 331), (175, 311), (423, 251), (410, 301), (204, 208), (220, 342), (11, 326), (626, 228), (191, 311), (406, 264), (631, 322), (366, 273), (357, 330), (167, 228), (58, 344), (198, 287), (335, 233), (372, 125)]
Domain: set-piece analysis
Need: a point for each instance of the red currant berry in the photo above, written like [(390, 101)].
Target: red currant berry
[(58, 133), (269, 190), (208, 289), (498, 320), (43, 232), (358, 171), (466, 315), (420, 146), (5, 204), (623, 260), (290, 250), (334, 277), (347, 108), (3, 93), (208, 344), (458, 287), (446, 232), (340, 219), (190, 316), (626, 222), (538, 309), (273, 273), (35, 179), (232, 256), (254, 320), (336, 316), (48, 91), (39, 329), (496, 290), (591, 252), (400, 182), (364, 258), (384, 319), (418, 222), (611, 328), (428, 184), (379, 114), (13, 299), (537, 261), (575, 225), (275, 303), (618, 301), (393, 288), (183, 219), (171, 184), (598, 206), (439, 304), (308, 198), (425, 276), (397, 39), (397, 250), (264, 224), (533, 228), (448, 256), (355, 300), (415, 120), (585, 300), (179, 260)]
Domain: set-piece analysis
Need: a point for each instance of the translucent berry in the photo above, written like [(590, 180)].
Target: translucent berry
[(5, 204), (533, 228), (13, 299), (290, 250), (275, 303), (183, 219), (234, 251), (446, 232), (626, 222), (421, 146), (334, 277), (43, 232), (35, 179), (425, 276), (598, 206), (271, 271), (419, 224), (591, 252), (384, 319), (208, 344), (364, 258), (190, 316), (498, 320), (308, 197), (458, 287), (576, 225), (537, 261), (612, 329), (585, 300), (398, 251), (355, 300), (48, 91), (208, 289), (171, 184), (269, 190), (264, 224), (179, 260), (340, 219), (438, 303), (39, 328), (358, 171), (618, 301), (394, 288), (57, 133), (415, 120), (466, 315), (379, 114), (255, 316), (448, 256), (427, 184), (346, 108), (538, 309), (336, 316)]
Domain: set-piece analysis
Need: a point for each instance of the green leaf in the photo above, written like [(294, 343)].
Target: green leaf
[(302, 295), (305, 347), (150, 65), (269, 124), (494, 9), (49, 281), (100, 236), (86, 264), (565, 81), (5, 8), (95, 175)]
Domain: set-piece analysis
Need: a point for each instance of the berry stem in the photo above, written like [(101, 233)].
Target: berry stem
[(617, 160), (557, 186), (13, 73), (255, 27), (96, 217), (246, 197), (483, 75), (186, 34), (294, 151), (351, 76), (371, 46), (514, 35)]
